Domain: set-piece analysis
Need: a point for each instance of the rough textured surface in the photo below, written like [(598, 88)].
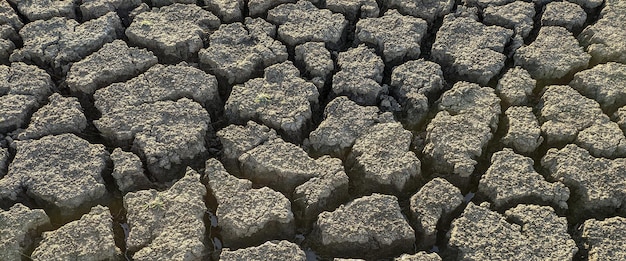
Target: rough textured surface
[(323, 193), (237, 139), (168, 225), (420, 256), (248, 216), (344, 121), (360, 75), (4, 161), (160, 83), (128, 171), (271, 250), (354, 9), (90, 9), (23, 79), (303, 22), (428, 10), (15, 111), (415, 84), (604, 238), (511, 180), (469, 49), (597, 184), (60, 115), (283, 166), (260, 7), (114, 62), (163, 133), (554, 54), (523, 134), (517, 15), (567, 116), (45, 9), (516, 86), (396, 36), (457, 135), (174, 32), (281, 100), (603, 83), (18, 227), (565, 14), (604, 40), (536, 233), (381, 161), (365, 227), (227, 10), (239, 51), (317, 62), (435, 202), (90, 238), (70, 175), (58, 42)]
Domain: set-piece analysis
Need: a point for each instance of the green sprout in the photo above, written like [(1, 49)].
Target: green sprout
[(263, 98), (156, 203)]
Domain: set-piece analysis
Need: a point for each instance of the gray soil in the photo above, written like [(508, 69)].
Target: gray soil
[(405, 130)]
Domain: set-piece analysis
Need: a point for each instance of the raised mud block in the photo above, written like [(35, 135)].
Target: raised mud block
[(58, 42), (416, 84), (367, 227), (525, 232), (396, 36), (174, 33), (469, 49), (511, 180), (240, 51), (597, 184), (360, 75), (281, 100), (303, 22), (89, 238), (248, 217), (168, 225), (435, 203), (19, 225), (166, 134), (114, 62), (60, 115), (270, 250), (553, 55), (381, 161), (62, 171)]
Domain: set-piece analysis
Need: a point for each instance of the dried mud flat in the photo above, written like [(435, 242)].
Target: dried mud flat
[(312, 130)]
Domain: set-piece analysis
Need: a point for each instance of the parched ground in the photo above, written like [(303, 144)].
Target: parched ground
[(312, 130)]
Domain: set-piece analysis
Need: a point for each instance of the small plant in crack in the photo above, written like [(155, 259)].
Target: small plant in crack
[(263, 98), (156, 203)]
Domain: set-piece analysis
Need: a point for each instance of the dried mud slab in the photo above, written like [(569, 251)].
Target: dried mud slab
[(281, 100), (247, 216), (428, 10), (168, 225), (436, 202), (128, 172), (564, 14), (60, 115), (114, 62), (45, 9), (354, 9), (239, 51), (303, 22), (90, 9), (164, 133), (605, 238), (597, 185), (90, 238), (531, 233), (174, 33), (58, 42), (516, 86), (370, 226), (15, 111), (396, 36), (360, 75), (23, 79), (270, 250), (316, 59), (62, 171), (604, 40), (18, 227), (523, 133), (603, 83)]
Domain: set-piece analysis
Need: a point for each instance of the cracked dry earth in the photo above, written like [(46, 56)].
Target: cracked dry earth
[(312, 130)]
